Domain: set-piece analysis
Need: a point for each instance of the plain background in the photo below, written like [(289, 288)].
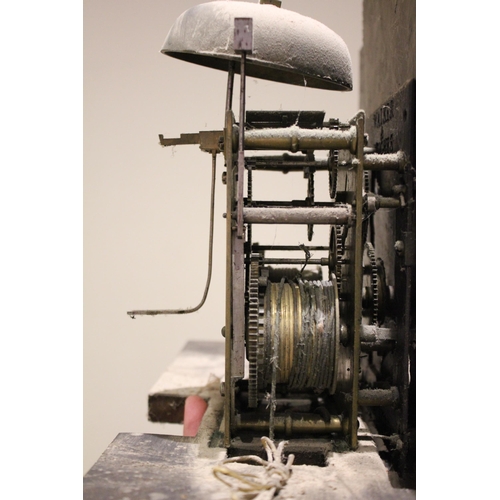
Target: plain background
[(146, 207)]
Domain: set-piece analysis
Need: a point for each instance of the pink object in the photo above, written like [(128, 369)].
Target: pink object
[(194, 409)]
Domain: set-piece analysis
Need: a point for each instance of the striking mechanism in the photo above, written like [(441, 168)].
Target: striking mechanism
[(297, 325)]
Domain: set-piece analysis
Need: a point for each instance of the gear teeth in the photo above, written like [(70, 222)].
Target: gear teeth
[(333, 173), (374, 280), (253, 330), (339, 254)]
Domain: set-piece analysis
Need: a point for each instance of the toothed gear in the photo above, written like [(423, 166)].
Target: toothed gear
[(253, 330), (335, 254), (339, 241), (366, 181), (333, 173), (333, 163), (370, 251)]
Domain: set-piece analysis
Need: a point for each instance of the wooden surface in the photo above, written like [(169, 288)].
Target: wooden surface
[(149, 467), (162, 467), (156, 467), (198, 370)]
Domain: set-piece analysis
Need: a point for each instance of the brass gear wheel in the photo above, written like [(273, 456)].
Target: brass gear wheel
[(333, 161), (335, 253), (374, 278), (254, 332)]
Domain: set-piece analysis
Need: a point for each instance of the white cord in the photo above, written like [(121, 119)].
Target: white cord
[(253, 486)]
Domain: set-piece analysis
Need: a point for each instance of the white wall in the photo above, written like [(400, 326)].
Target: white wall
[(146, 207)]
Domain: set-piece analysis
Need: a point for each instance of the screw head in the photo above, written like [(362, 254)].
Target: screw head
[(399, 246)]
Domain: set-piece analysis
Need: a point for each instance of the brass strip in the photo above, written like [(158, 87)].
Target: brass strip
[(229, 392), (358, 281)]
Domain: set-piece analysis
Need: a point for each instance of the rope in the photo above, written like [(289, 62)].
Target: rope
[(275, 359), (262, 486)]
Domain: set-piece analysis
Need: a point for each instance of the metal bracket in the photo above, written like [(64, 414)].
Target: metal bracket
[(210, 141), (243, 34)]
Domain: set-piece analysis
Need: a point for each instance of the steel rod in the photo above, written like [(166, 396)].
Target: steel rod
[(266, 248), (297, 139), (377, 397), (230, 84), (299, 215), (293, 424), (390, 161), (372, 333), (293, 204), (386, 202), (316, 262), (155, 312), (278, 164)]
